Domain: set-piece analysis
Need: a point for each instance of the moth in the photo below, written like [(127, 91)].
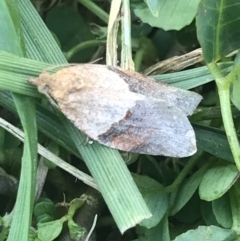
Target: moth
[(123, 109)]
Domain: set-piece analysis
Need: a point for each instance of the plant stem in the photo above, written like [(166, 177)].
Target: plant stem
[(185, 171), (95, 9), (126, 53), (235, 206), (223, 84), (84, 45), (138, 59), (75, 205)]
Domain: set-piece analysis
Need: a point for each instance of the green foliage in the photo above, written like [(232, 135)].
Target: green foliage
[(195, 198), (154, 6), (155, 197), (48, 228), (214, 141), (44, 210), (217, 27), (234, 76), (212, 233), (168, 15), (217, 181), (222, 211), (186, 190), (75, 31)]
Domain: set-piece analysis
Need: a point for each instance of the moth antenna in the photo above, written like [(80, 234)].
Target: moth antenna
[(95, 61), (55, 68), (58, 67)]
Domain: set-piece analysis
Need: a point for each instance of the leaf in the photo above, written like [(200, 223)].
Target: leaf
[(207, 214), (49, 231), (75, 230), (187, 189), (153, 6), (172, 15), (235, 97), (218, 28), (188, 79), (191, 212), (100, 160), (155, 198), (75, 31), (222, 211), (218, 180), (12, 41), (19, 69), (211, 233), (112, 33), (234, 195), (2, 139), (159, 233), (47, 122), (44, 206), (4, 228), (234, 77), (214, 141), (9, 38), (26, 191)]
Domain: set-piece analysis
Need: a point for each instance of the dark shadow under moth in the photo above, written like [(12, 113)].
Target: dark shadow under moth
[(124, 109)]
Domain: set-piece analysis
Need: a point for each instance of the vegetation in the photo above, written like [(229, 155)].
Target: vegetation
[(55, 195)]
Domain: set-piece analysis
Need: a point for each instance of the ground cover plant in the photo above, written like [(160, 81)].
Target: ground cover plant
[(55, 184)]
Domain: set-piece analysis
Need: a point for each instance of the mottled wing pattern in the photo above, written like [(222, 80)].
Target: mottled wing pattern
[(91, 101), (152, 126), (123, 109), (187, 101), (94, 113)]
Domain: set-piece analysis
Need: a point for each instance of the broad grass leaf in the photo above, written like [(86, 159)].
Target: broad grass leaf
[(47, 122), (191, 78), (100, 160), (213, 141), (12, 41), (9, 36)]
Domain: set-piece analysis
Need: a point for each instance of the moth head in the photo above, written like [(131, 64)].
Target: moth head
[(42, 82)]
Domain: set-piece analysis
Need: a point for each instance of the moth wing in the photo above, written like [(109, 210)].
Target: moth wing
[(186, 100), (102, 106), (153, 127), (91, 96)]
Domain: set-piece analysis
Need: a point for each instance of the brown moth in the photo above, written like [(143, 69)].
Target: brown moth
[(124, 109)]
